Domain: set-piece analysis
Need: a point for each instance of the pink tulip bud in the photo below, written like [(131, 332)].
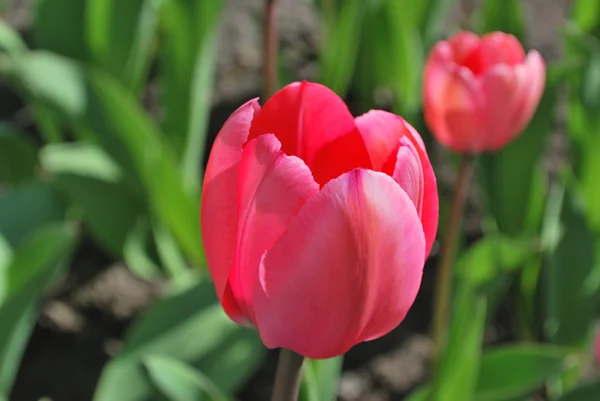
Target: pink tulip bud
[(316, 225), (480, 93)]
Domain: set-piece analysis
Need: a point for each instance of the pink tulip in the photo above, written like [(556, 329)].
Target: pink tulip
[(316, 225), (480, 93)]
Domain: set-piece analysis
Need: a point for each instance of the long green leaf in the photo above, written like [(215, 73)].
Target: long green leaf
[(24, 209), (120, 35), (18, 156), (10, 41), (572, 275), (586, 14), (188, 61), (92, 182), (35, 264), (513, 371), (463, 348), (94, 100), (339, 52), (137, 251), (188, 325), (586, 392), (59, 26), (504, 15), (180, 382)]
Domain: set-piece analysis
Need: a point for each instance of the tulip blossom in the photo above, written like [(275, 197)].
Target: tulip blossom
[(316, 225), (480, 92)]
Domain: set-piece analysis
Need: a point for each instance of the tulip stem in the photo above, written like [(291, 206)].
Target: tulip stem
[(270, 50), (443, 290), (288, 375)]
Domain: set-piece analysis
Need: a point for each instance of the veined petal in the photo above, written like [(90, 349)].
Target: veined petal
[(347, 269), (313, 123), (272, 189), (219, 216)]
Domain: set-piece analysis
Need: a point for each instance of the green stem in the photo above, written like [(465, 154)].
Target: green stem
[(443, 290), (270, 50), (287, 377)]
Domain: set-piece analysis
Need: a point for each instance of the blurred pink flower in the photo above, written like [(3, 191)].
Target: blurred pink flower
[(316, 225), (480, 93)]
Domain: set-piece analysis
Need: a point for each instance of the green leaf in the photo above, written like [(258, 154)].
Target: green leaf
[(35, 264), (340, 48), (79, 158), (18, 156), (491, 257), (190, 326), (93, 183), (22, 210), (121, 37), (434, 19), (107, 110), (109, 210), (420, 394), (510, 176), (320, 379), (6, 254), (590, 95), (463, 348), (178, 381), (572, 275), (586, 14), (407, 55), (170, 255), (504, 15), (586, 392), (10, 41), (188, 61), (512, 371), (583, 121), (59, 26), (136, 251)]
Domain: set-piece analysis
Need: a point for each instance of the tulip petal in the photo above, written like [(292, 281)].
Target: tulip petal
[(408, 173), (429, 213), (453, 102), (272, 189), (381, 132), (531, 81), (463, 44), (500, 87), (496, 48), (219, 216), (347, 269), (313, 123)]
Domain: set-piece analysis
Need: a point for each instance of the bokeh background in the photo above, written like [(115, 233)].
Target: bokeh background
[(108, 110)]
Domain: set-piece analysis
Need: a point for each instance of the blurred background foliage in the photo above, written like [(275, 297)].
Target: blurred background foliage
[(108, 111)]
